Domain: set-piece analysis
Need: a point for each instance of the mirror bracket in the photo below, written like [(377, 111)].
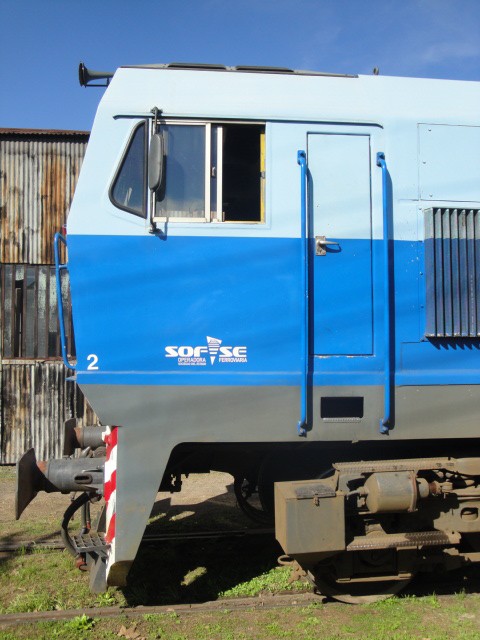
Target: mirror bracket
[(155, 165), (156, 113)]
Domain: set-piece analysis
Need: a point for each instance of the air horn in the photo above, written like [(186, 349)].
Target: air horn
[(85, 76)]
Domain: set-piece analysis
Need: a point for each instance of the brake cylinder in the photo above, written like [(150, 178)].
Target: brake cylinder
[(394, 491)]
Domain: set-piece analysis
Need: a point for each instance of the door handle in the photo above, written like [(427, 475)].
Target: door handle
[(321, 244)]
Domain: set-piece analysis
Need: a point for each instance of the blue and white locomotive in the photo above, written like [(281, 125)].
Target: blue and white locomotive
[(277, 274)]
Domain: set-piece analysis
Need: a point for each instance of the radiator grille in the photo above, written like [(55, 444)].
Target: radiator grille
[(452, 272)]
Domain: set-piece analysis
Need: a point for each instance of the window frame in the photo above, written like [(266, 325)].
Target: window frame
[(143, 123), (207, 188), (209, 218)]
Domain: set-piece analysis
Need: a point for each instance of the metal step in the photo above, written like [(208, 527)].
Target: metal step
[(91, 542), (412, 540)]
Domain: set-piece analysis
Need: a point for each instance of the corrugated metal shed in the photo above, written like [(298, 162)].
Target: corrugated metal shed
[(36, 400), (38, 174)]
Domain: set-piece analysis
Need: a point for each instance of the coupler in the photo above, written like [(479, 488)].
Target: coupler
[(62, 475)]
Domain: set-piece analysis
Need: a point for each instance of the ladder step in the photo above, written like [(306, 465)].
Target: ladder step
[(88, 542)]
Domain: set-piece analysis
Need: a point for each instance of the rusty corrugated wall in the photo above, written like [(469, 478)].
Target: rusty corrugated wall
[(38, 174)]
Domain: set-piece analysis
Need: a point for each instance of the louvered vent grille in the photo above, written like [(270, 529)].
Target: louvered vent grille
[(452, 271)]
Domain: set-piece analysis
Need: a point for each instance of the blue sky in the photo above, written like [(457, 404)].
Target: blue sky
[(42, 42)]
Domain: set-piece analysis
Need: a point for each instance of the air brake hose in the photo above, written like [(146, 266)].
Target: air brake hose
[(82, 499), (85, 518)]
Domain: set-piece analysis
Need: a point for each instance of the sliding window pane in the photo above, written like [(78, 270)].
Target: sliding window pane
[(183, 193)]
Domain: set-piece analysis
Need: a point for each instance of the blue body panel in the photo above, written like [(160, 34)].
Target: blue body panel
[(341, 300), (135, 296)]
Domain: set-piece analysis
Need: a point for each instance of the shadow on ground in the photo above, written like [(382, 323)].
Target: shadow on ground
[(194, 571), (198, 570), (189, 572)]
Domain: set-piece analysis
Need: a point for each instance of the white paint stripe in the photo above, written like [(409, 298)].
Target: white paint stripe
[(111, 504), (106, 433), (110, 464), (110, 467)]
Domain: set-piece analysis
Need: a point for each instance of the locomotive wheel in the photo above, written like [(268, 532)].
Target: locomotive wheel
[(361, 588), (247, 494), (358, 592)]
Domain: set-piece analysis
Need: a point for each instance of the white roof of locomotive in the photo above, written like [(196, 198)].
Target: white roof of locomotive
[(236, 93)]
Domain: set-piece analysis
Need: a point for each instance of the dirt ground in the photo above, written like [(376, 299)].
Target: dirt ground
[(206, 501)]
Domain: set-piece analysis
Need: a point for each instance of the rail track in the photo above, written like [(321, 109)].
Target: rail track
[(230, 604), (262, 602)]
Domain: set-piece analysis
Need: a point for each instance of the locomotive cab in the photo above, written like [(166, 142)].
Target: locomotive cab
[(276, 274)]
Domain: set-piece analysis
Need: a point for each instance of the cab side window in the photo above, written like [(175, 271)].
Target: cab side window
[(129, 188)]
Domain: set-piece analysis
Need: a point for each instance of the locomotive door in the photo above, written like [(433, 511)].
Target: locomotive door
[(340, 211)]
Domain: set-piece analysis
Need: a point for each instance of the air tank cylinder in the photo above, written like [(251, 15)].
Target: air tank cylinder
[(394, 491)]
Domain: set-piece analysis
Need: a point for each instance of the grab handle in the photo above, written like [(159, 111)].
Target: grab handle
[(304, 338), (61, 318), (386, 420)]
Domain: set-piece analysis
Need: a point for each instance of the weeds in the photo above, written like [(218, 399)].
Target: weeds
[(106, 599), (81, 623), (152, 617), (431, 601), (273, 581), (193, 575)]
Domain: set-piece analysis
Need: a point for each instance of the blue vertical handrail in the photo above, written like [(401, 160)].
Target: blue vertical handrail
[(304, 338), (61, 318), (385, 421)]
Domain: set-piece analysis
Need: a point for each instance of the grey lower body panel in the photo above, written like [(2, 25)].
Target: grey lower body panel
[(270, 414), (154, 420)]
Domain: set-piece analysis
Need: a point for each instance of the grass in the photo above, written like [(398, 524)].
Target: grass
[(47, 581), (275, 580), (175, 572), (421, 618)]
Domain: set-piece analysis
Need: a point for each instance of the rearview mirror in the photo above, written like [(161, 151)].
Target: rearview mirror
[(155, 162)]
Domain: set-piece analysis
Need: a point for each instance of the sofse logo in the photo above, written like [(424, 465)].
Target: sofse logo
[(197, 356)]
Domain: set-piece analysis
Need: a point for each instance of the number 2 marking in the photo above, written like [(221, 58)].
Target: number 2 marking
[(93, 364)]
